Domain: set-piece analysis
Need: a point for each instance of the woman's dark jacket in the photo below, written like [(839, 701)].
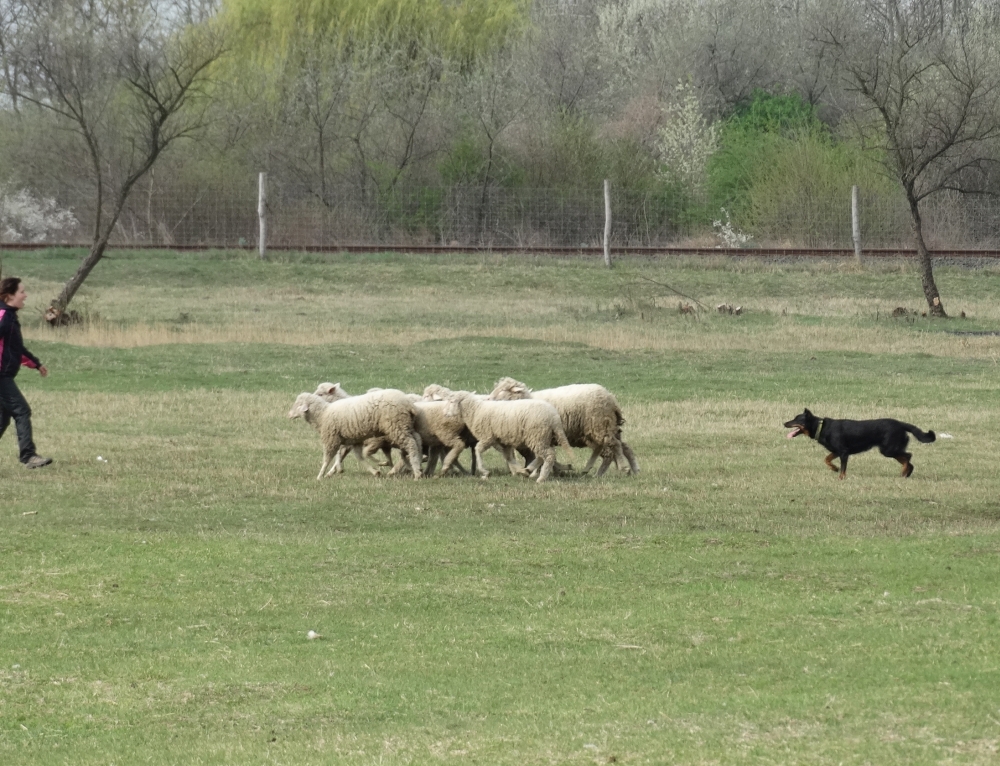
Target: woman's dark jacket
[(12, 351)]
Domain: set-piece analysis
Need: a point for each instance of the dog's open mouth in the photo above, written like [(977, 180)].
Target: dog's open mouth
[(795, 432)]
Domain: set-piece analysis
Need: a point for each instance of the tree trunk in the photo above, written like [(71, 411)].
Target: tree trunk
[(55, 313), (60, 302), (934, 305)]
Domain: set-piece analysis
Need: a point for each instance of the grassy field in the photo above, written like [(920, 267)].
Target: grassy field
[(734, 603)]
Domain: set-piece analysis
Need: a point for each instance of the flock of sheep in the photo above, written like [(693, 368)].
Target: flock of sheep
[(441, 423)]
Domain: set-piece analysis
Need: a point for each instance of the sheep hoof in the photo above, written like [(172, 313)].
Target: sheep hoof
[(484, 475)]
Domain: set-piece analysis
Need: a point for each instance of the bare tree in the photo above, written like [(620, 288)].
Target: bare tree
[(927, 78), (302, 115), (493, 100), (126, 78)]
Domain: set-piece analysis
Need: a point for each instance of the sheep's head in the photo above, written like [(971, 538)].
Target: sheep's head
[(301, 407), (455, 400), (509, 389), (436, 393), (331, 392)]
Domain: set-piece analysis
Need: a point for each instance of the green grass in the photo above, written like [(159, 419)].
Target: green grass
[(734, 603)]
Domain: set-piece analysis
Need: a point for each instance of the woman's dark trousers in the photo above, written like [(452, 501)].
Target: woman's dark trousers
[(14, 406)]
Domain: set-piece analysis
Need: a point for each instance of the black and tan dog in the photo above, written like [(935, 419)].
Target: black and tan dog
[(849, 437)]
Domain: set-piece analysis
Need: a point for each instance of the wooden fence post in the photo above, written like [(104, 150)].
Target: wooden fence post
[(607, 223), (855, 223), (262, 214)]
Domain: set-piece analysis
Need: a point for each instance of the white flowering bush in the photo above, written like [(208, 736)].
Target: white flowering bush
[(687, 140), (729, 235), (27, 218)]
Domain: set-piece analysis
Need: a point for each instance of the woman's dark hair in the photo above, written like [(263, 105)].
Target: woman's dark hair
[(9, 286)]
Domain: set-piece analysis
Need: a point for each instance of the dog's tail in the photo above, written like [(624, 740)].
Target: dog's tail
[(926, 438)]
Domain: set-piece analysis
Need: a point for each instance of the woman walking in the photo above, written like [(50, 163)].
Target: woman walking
[(12, 355)]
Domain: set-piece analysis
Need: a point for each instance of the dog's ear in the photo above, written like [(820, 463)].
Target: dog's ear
[(807, 412)]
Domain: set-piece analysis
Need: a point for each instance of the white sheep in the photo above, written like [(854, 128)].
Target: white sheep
[(590, 416), (441, 436), (530, 423), (333, 392), (352, 421), (438, 393)]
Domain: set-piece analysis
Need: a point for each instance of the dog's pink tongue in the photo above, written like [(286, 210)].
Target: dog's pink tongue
[(792, 434)]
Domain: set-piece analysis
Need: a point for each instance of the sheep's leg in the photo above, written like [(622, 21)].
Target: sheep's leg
[(549, 459), (451, 462), (619, 455), (366, 456), (470, 441), (515, 469), (612, 454), (402, 464), (481, 447), (338, 462), (452, 457), (322, 467), (593, 459), (630, 457), (331, 454), (609, 458), (432, 461), (341, 454), (414, 452), (387, 451), (527, 454)]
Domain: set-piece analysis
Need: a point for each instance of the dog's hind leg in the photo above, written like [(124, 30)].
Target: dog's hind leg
[(907, 465), (829, 462)]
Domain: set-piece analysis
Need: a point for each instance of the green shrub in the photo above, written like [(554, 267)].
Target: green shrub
[(780, 171)]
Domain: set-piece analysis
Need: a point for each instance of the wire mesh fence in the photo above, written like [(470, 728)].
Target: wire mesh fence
[(483, 217)]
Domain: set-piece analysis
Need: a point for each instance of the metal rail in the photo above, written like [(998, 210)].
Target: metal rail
[(597, 251)]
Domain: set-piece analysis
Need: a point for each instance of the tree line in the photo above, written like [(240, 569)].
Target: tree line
[(720, 104)]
